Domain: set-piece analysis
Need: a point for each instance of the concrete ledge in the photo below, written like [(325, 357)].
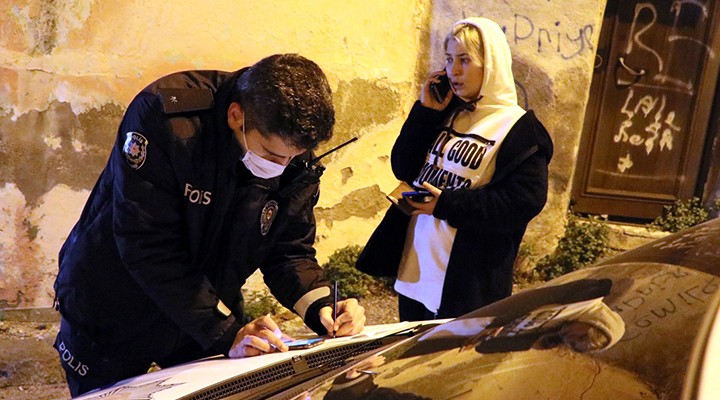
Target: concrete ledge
[(627, 237), (48, 314)]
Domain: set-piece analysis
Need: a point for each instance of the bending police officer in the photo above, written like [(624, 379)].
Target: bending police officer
[(194, 198)]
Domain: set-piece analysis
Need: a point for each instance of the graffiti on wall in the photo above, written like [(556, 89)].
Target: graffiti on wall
[(669, 73), (652, 114), (658, 131), (567, 43)]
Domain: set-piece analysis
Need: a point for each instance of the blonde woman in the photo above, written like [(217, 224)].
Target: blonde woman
[(485, 161)]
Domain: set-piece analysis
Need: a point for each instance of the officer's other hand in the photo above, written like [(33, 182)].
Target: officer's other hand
[(258, 337), (350, 320)]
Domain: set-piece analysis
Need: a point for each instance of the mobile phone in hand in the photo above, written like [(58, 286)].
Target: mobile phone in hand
[(419, 196), (440, 89), (304, 343)]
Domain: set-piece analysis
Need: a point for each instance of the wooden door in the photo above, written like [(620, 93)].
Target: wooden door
[(650, 102)]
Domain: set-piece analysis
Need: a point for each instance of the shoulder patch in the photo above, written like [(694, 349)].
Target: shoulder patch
[(185, 99), (135, 149)]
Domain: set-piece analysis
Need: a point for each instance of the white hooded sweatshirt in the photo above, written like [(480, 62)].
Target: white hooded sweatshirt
[(468, 149)]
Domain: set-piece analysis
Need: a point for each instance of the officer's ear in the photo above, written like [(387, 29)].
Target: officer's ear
[(235, 116)]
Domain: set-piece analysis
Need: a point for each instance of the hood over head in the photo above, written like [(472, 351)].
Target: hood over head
[(498, 84)]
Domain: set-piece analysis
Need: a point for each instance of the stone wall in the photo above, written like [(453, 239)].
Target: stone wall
[(68, 69)]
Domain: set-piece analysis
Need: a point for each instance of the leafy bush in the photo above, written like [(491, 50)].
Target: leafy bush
[(352, 283), (340, 267), (259, 303), (682, 214), (584, 241)]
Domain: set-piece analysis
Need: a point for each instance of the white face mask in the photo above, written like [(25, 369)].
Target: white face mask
[(259, 166)]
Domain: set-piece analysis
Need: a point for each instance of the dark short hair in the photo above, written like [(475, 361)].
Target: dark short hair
[(287, 95)]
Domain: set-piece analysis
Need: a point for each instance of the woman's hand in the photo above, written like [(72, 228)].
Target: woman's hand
[(258, 337), (426, 97), (427, 207), (350, 318)]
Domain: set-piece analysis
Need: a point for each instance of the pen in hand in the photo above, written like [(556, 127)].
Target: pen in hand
[(335, 303)]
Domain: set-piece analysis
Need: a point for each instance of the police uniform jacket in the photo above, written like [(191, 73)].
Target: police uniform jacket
[(176, 223)]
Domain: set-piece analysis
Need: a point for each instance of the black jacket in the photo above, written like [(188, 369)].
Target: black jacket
[(491, 220), (172, 228)]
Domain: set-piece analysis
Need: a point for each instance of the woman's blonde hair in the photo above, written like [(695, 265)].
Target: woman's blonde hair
[(469, 36)]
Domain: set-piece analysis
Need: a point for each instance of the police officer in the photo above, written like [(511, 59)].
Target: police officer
[(208, 180)]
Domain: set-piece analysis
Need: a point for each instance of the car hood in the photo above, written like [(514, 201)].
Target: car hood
[(661, 307)]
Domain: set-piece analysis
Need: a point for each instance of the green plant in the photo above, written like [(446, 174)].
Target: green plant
[(259, 303), (682, 214), (352, 283), (584, 241)]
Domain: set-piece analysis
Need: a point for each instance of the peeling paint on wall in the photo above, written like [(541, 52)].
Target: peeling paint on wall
[(48, 22), (346, 173), (362, 203), (56, 146), (18, 276), (30, 238), (360, 105)]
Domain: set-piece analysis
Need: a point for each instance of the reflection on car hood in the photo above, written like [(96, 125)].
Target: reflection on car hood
[(516, 348)]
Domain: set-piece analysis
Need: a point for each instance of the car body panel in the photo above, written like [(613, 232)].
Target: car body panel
[(701, 380), (661, 291), (221, 377)]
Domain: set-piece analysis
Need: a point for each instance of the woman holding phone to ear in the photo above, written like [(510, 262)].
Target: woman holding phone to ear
[(485, 160)]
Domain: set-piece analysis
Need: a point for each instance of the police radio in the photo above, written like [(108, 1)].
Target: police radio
[(310, 172)]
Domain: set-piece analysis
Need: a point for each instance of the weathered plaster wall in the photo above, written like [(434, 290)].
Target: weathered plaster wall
[(68, 69)]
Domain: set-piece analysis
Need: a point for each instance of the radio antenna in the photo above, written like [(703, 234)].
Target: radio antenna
[(316, 159)]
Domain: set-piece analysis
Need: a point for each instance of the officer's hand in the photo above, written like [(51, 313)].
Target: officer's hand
[(258, 337), (350, 320)]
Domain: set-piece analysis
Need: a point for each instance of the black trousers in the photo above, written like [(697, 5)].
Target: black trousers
[(413, 310), (89, 367)]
